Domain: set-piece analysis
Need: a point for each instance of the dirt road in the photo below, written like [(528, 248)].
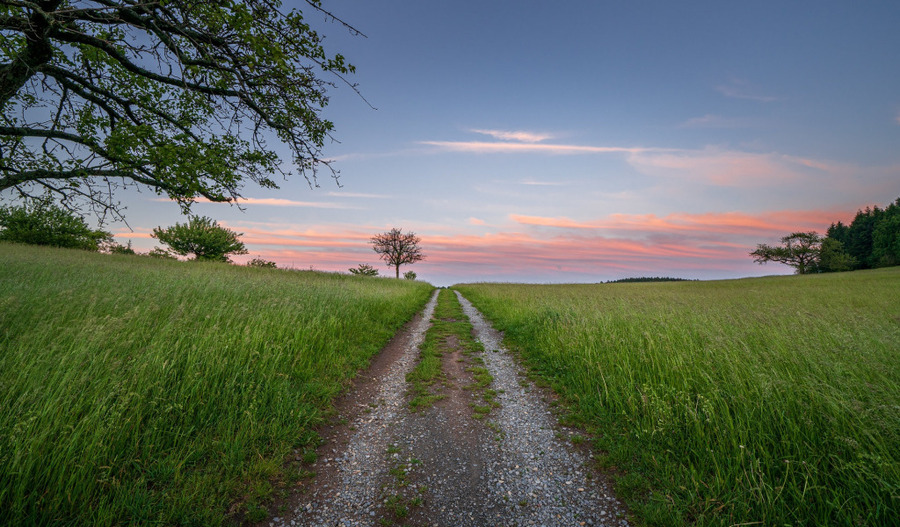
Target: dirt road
[(385, 465)]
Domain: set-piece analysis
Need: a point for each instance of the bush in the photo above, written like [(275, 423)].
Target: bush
[(260, 262), (42, 222), (201, 237), (118, 248), (410, 275), (159, 252), (364, 270)]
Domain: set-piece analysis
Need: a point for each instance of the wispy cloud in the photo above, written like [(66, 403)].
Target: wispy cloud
[(741, 89), (730, 224), (516, 135), (483, 147), (532, 182)]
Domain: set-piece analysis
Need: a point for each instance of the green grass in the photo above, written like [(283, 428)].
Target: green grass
[(772, 400), (135, 390), (424, 377)]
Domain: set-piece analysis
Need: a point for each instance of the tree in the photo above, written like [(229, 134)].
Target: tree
[(886, 237), (202, 237), (410, 275), (364, 270), (181, 96), (800, 250), (833, 258), (42, 222), (396, 248)]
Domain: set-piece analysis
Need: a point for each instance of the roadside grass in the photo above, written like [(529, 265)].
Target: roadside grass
[(143, 391), (770, 401)]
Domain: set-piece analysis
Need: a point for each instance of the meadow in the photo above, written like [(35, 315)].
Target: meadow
[(763, 401), (136, 390)]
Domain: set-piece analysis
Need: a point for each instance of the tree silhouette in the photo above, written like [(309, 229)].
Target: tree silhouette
[(800, 250), (397, 248)]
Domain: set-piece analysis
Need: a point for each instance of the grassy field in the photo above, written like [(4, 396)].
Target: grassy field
[(135, 390), (769, 401)]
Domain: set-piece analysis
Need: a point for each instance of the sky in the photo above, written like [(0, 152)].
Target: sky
[(584, 141)]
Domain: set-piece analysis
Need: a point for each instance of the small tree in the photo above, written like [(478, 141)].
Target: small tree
[(410, 275), (42, 222), (202, 237), (396, 248), (364, 270), (800, 250)]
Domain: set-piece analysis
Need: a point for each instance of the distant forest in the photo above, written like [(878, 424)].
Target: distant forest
[(871, 240)]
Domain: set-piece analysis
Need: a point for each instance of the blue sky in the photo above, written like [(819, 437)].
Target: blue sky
[(587, 141)]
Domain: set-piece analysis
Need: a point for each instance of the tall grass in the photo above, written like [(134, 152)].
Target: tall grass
[(135, 390), (770, 401)]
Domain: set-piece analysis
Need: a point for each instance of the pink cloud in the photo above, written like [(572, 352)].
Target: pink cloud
[(555, 248), (484, 147), (728, 223)]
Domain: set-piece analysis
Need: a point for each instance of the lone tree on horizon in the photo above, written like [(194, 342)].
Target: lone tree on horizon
[(397, 248), (800, 250)]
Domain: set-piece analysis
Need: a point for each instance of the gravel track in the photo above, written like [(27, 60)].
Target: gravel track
[(445, 468), (543, 476), (363, 465)]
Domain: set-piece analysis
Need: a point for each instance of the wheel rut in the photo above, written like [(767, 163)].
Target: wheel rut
[(481, 454)]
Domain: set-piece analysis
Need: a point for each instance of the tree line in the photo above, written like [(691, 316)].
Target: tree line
[(871, 240), (43, 222)]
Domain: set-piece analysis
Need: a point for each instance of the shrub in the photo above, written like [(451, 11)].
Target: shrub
[(364, 270), (260, 262), (201, 237)]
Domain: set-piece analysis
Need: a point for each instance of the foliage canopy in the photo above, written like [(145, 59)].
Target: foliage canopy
[(800, 250), (180, 96), (201, 237)]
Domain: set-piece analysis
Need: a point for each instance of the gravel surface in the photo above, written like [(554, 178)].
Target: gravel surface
[(363, 464), (442, 467), (543, 476)]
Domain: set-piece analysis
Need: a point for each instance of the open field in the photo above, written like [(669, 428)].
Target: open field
[(767, 401), (147, 391)]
